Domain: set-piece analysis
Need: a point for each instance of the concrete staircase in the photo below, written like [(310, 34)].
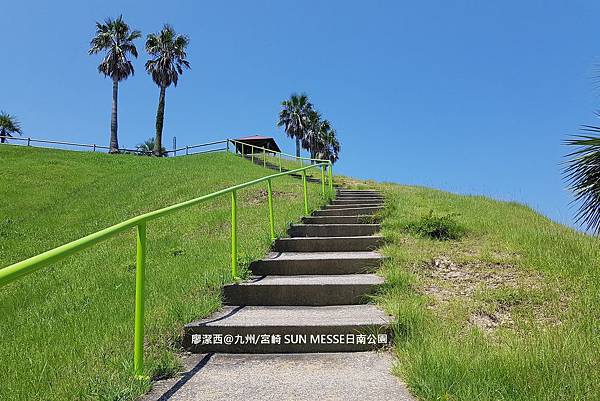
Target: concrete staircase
[(311, 293)]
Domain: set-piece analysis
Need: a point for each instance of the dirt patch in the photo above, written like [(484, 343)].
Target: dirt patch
[(490, 321), (495, 294)]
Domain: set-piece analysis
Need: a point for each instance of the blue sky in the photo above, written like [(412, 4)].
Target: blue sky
[(468, 96)]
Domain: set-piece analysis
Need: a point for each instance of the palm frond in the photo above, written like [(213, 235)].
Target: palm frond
[(582, 173), (168, 52), (116, 39), (9, 125)]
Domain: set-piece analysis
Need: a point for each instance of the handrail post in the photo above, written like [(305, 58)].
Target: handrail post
[(323, 180), (227, 145), (242, 151), (330, 173), (305, 191), (94, 147), (280, 168), (264, 159), (28, 141), (234, 242), (138, 346), (252, 148), (271, 219), (186, 150)]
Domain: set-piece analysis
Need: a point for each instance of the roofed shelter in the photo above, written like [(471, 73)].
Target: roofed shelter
[(266, 142)]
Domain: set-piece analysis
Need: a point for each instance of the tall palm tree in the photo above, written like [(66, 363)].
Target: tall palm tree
[(167, 50), (9, 125), (313, 132), (328, 147), (294, 117), (582, 172), (116, 39), (320, 138)]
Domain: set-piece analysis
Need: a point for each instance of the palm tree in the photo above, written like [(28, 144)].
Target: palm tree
[(167, 50), (148, 146), (320, 138), (328, 147), (313, 132), (582, 172), (294, 117), (9, 125), (115, 37)]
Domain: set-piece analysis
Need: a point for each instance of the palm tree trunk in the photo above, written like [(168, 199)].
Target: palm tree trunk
[(297, 147), (114, 141), (160, 118)]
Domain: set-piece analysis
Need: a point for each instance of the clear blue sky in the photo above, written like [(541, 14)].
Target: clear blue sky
[(468, 96)]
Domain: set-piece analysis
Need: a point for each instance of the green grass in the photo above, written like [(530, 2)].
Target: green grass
[(286, 163), (510, 311), (67, 330)]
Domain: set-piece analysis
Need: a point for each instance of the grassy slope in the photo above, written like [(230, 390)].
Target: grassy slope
[(543, 276), (67, 330)]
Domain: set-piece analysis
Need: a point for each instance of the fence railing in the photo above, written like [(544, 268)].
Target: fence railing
[(20, 269), (278, 157), (184, 150)]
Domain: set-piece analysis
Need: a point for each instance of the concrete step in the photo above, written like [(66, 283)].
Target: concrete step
[(333, 230), (306, 290), (359, 195), (301, 329), (349, 211), (358, 191), (352, 206), (368, 201), (328, 244), (312, 263), (365, 219)]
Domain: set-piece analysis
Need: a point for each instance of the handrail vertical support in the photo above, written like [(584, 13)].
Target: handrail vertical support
[(264, 159), (243, 157), (330, 179), (305, 191), (138, 346), (187, 150), (323, 180), (227, 145), (252, 149), (271, 218), (280, 168), (234, 242)]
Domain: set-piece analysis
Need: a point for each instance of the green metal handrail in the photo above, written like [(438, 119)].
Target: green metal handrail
[(20, 269), (328, 166)]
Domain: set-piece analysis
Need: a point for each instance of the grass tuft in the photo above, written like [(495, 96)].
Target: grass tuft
[(439, 227)]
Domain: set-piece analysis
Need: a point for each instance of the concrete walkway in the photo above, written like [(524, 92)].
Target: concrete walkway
[(355, 376)]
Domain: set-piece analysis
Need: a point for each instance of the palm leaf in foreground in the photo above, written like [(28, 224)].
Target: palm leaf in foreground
[(582, 173)]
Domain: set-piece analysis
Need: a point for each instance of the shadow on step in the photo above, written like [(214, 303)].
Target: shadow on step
[(185, 378)]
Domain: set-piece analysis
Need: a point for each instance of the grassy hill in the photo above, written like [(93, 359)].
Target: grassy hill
[(67, 330), (507, 308)]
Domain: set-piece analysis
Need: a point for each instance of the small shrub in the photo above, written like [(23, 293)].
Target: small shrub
[(437, 227)]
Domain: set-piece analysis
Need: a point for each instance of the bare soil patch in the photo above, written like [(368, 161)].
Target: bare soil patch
[(495, 294)]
